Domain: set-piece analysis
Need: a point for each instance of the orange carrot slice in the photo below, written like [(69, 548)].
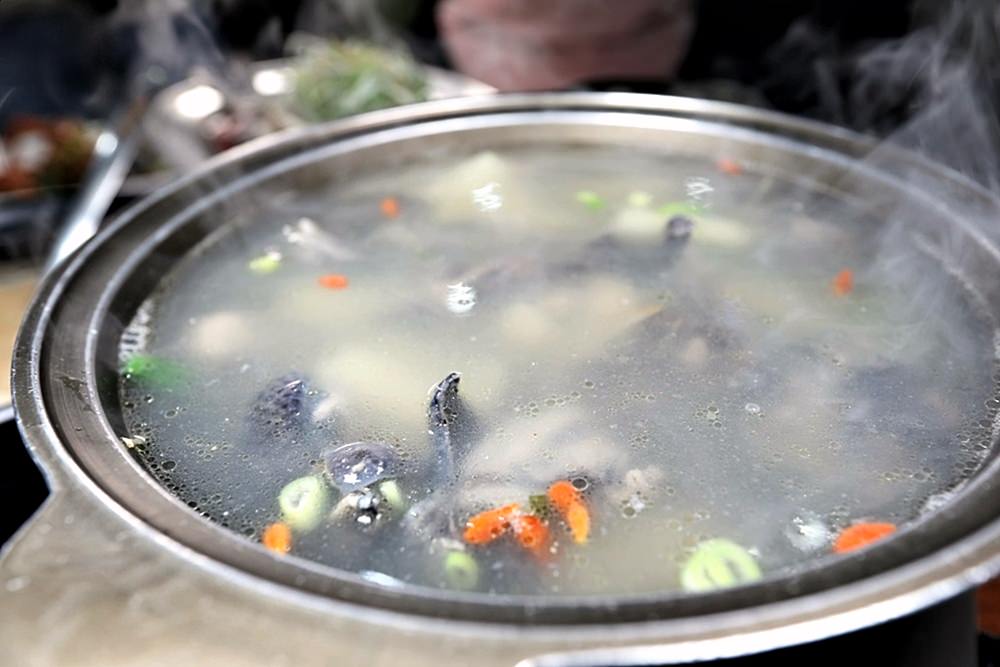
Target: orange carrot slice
[(861, 535), (843, 282), (491, 524), (277, 537), (578, 519), (390, 207), (562, 494), (729, 166), (567, 500), (334, 281), (531, 533)]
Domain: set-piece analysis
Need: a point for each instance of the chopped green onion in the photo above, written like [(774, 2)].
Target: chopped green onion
[(149, 369), (718, 563), (303, 502), (461, 570), (590, 199), (267, 263), (639, 199), (392, 495), (539, 505)]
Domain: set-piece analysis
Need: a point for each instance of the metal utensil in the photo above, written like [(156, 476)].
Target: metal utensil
[(114, 153)]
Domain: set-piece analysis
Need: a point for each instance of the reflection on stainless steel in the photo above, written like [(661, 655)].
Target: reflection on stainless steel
[(17, 284), (199, 102), (114, 555), (272, 81)]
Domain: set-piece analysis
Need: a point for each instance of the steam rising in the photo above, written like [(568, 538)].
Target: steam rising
[(955, 121), (932, 91), (170, 40)]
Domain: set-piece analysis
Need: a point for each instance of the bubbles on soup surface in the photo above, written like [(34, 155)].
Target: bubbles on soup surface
[(664, 387)]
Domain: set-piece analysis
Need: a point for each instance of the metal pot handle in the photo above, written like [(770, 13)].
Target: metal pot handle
[(59, 571), (80, 586)]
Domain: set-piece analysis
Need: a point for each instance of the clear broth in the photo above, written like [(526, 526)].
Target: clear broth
[(711, 387)]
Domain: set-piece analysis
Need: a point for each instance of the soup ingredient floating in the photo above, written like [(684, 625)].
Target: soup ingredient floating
[(487, 526), (265, 264), (461, 570), (390, 207), (568, 501), (531, 529), (279, 407), (861, 535), (843, 283), (718, 563), (303, 502), (590, 200), (360, 464), (155, 371), (729, 166), (277, 537), (531, 532), (334, 281)]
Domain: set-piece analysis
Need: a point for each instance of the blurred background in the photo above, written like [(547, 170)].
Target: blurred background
[(102, 102)]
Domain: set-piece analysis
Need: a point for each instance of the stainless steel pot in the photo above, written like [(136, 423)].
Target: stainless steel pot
[(114, 570)]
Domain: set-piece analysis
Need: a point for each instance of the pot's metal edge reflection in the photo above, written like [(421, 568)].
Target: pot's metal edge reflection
[(732, 645), (902, 606)]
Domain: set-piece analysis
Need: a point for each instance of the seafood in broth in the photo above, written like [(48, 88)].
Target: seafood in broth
[(560, 372)]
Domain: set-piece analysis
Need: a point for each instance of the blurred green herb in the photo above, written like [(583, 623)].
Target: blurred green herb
[(539, 506), (344, 78), (147, 369)]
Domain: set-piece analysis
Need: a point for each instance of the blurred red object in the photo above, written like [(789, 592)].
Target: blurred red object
[(39, 153), (534, 45), (16, 181), (988, 607)]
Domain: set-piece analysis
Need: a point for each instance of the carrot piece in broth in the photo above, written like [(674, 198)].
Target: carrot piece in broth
[(277, 537), (861, 535), (487, 526), (568, 501), (531, 533), (334, 281), (729, 166), (390, 207), (843, 282)]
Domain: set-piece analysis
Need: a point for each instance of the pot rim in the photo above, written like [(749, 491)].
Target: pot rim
[(796, 618)]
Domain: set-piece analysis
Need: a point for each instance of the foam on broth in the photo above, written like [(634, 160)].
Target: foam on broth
[(713, 387)]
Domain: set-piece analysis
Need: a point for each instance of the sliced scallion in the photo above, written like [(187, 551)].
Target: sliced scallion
[(149, 369), (303, 501), (392, 495), (590, 199), (718, 563), (461, 570)]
